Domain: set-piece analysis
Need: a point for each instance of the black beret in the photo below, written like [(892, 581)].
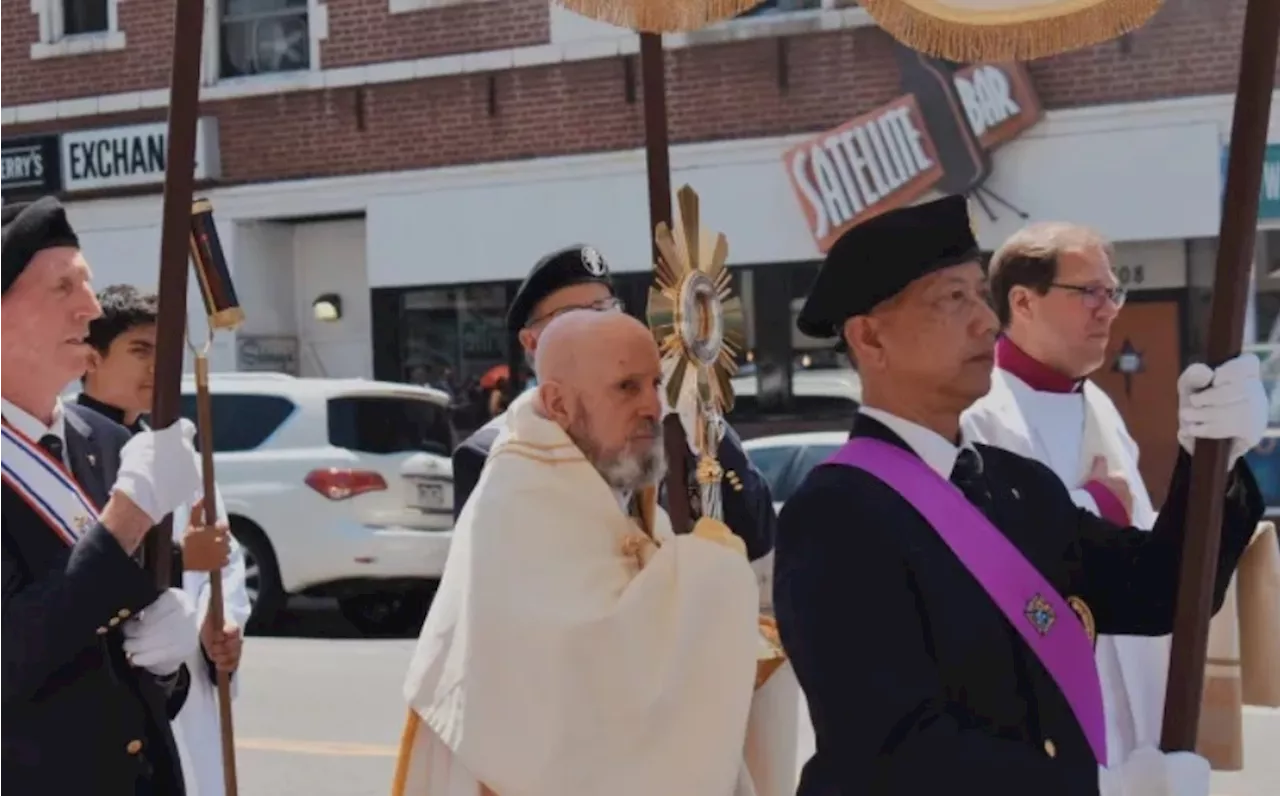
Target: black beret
[(572, 266), (876, 260), (29, 229)]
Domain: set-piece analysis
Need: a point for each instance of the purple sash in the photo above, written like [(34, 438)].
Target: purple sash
[(1028, 601)]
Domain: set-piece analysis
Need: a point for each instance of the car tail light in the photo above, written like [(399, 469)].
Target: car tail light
[(339, 484)]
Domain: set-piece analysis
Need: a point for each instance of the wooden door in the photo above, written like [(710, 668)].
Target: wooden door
[(1141, 376)]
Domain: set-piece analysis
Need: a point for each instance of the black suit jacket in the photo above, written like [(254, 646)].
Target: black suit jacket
[(916, 683), (77, 718), (747, 502)]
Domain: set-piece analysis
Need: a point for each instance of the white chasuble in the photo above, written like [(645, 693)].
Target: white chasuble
[(1066, 431), (554, 663)]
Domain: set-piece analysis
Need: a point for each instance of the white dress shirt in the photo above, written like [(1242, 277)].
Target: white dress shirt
[(937, 451), (34, 428)]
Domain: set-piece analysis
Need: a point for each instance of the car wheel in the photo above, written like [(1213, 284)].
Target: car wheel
[(389, 614), (261, 574)]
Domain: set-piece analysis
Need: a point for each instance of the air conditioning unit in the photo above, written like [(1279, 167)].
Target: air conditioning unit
[(281, 44)]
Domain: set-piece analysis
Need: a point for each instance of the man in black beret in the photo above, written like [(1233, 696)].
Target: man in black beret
[(93, 651), (577, 278), (572, 278), (939, 599)]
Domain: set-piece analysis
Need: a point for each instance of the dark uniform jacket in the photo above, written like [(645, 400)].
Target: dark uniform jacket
[(78, 719), (916, 682), (747, 503)]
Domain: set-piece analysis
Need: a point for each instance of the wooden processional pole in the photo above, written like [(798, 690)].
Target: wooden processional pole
[(179, 179), (187, 230), (1236, 239), (657, 148)]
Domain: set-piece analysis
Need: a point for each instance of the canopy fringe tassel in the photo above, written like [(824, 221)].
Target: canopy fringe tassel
[(991, 41)]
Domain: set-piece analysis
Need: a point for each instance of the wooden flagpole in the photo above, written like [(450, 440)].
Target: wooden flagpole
[(657, 157), (179, 179), (1236, 237)]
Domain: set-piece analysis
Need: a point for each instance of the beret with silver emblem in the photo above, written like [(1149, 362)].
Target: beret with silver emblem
[(574, 265), (30, 228), (876, 260)]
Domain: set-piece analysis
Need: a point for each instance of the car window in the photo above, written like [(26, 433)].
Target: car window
[(389, 424), (772, 463), (811, 457), (746, 407), (241, 422), (805, 459)]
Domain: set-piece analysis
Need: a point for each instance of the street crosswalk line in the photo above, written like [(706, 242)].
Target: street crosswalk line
[(327, 748)]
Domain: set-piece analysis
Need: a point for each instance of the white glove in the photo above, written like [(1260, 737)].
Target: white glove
[(1150, 772), (1227, 402), (158, 469), (164, 634)]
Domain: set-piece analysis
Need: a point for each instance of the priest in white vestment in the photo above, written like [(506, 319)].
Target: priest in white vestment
[(1056, 297), (576, 647)]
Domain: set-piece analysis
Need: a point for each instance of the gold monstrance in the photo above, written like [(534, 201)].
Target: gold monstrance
[(697, 323)]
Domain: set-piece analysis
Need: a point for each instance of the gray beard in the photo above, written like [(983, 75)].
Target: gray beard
[(624, 472), (630, 473)]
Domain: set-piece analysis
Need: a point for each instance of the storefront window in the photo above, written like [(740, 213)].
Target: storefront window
[(823, 381), (1265, 332), (454, 338), (823, 385)]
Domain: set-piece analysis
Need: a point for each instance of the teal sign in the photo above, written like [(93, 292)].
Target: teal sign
[(1269, 202)]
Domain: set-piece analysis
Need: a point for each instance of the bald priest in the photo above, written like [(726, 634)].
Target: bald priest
[(574, 649)]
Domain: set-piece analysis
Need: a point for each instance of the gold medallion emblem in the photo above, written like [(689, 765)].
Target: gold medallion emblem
[(1040, 614), (82, 523), (1086, 617)]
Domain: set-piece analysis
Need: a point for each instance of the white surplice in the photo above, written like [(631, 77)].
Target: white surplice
[(553, 664), (198, 726), (1065, 431)]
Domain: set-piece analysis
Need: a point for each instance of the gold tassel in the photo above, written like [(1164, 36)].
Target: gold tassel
[(991, 41), (659, 16)]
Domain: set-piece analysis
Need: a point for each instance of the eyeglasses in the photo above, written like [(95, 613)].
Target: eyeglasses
[(600, 305), (1093, 296)]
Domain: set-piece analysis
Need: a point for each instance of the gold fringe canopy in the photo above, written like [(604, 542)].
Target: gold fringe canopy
[(1000, 31), (659, 16)]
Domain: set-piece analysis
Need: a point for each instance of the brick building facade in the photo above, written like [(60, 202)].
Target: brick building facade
[(717, 91), (414, 157)]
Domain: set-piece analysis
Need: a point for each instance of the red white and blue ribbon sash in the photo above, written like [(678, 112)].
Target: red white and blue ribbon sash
[(46, 486)]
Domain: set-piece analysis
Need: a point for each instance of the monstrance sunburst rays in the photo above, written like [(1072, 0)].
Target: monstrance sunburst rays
[(695, 318)]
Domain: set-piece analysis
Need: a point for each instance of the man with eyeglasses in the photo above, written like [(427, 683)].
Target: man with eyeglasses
[(575, 278), (1056, 297), (569, 279), (938, 597)]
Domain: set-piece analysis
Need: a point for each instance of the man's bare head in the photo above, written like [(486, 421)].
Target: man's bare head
[(1056, 295), (598, 379)]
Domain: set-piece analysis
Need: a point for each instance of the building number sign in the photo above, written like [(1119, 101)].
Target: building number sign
[(1130, 275)]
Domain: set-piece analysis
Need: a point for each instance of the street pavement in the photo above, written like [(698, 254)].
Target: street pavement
[(319, 712)]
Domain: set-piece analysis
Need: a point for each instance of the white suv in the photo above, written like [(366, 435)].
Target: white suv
[(336, 488)]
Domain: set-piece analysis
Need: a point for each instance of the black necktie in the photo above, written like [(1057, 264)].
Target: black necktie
[(53, 444), (967, 475)]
